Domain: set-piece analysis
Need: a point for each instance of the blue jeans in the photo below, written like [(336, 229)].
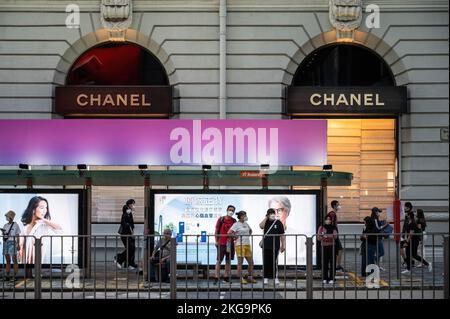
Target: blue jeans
[(380, 248), (368, 257), (10, 248)]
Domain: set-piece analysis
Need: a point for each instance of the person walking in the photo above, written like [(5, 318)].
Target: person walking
[(421, 226), (126, 230), (412, 242)]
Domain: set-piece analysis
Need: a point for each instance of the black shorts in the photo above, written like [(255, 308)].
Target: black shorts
[(222, 252), (338, 244)]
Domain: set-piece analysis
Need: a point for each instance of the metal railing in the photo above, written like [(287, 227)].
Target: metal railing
[(56, 267)]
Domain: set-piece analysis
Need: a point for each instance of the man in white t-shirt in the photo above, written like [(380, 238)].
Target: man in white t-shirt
[(241, 231)]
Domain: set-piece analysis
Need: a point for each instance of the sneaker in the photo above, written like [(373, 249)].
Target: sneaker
[(266, 281), (226, 280), (324, 282), (243, 281), (382, 268), (251, 281), (131, 268), (277, 281), (406, 272), (146, 284), (430, 267), (216, 281), (419, 266), (117, 264), (331, 282)]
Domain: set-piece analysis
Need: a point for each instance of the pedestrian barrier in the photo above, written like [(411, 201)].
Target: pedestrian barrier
[(129, 267)]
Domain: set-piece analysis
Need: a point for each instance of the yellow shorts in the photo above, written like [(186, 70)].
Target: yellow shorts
[(243, 251)]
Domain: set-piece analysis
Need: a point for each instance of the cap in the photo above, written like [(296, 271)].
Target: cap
[(376, 210)]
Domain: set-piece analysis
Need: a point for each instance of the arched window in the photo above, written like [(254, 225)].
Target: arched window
[(117, 64), (364, 146), (343, 65)]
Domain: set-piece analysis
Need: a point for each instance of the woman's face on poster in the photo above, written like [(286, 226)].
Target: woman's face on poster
[(41, 210), (281, 211)]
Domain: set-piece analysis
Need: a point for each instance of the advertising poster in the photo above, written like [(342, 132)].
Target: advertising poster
[(197, 215), (48, 216)]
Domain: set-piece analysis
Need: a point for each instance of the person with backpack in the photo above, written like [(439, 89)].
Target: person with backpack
[(327, 235), (224, 243), (11, 242)]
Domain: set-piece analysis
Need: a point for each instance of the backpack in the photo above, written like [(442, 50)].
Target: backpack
[(221, 219)]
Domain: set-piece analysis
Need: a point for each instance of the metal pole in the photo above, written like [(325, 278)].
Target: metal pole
[(89, 225), (324, 198), (446, 265), (398, 262), (309, 268), (173, 268), (146, 225), (223, 59), (38, 268)]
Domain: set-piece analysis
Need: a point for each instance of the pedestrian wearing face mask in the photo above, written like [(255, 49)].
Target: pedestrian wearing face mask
[(241, 232), (273, 243), (224, 243), (327, 235), (336, 207), (126, 230), (379, 227)]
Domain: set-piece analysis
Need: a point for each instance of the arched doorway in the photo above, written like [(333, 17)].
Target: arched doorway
[(117, 64), (121, 80), (364, 144), (343, 65)]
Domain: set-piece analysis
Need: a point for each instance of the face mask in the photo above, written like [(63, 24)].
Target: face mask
[(338, 207), (328, 222), (245, 219), (271, 217), (230, 213)]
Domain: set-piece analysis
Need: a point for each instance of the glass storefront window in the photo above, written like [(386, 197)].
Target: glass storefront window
[(366, 148)]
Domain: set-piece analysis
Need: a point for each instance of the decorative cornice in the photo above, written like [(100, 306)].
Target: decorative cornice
[(212, 5)]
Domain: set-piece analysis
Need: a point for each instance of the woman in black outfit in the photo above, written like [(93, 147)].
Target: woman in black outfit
[(127, 229), (421, 227), (273, 244), (414, 236)]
